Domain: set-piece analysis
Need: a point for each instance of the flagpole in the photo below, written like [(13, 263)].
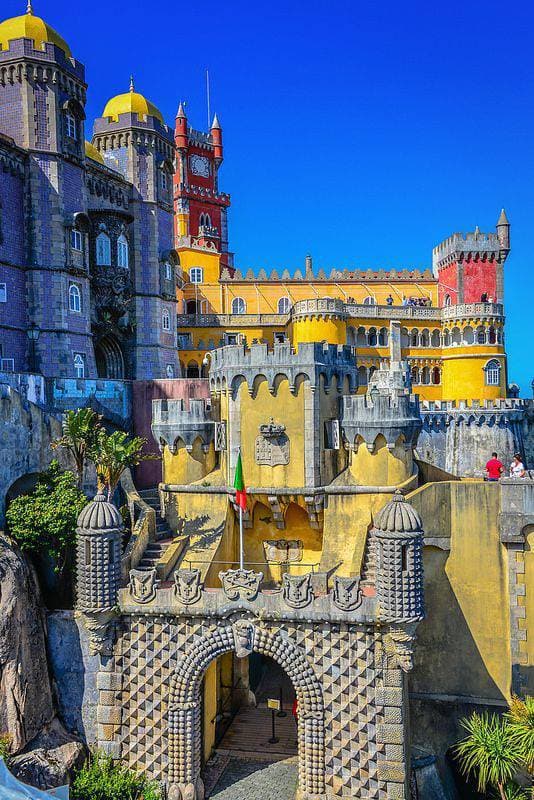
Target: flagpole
[(241, 548)]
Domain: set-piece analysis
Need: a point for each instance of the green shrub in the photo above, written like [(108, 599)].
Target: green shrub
[(5, 752), (44, 521), (101, 779)]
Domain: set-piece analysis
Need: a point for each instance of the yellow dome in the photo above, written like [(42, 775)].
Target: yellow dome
[(131, 103), (29, 27), (92, 153)]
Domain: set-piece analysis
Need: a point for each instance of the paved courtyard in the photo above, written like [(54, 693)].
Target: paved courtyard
[(250, 779)]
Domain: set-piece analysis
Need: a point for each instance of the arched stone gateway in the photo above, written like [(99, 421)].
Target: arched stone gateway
[(184, 714)]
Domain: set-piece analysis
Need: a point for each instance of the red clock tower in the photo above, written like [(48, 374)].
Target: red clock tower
[(200, 209)]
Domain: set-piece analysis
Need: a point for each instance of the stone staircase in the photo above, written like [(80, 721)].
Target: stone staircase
[(164, 535)]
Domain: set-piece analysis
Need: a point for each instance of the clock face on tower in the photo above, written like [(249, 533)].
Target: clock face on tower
[(200, 165)]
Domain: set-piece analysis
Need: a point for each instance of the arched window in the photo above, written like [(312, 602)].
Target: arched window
[(169, 371), (168, 271), (372, 337), (448, 300), (369, 301), (122, 252), (103, 250), (493, 372), (414, 338), (79, 365), (362, 376), (383, 337), (481, 335), (436, 338), (166, 320), (469, 336), (446, 338), (196, 274), (361, 337), (284, 304), (425, 338), (71, 128), (456, 336), (238, 306), (75, 298), (204, 221), (425, 375), (436, 376), (492, 335), (415, 375), (193, 370)]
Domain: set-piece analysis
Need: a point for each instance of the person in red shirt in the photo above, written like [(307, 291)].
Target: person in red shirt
[(494, 468)]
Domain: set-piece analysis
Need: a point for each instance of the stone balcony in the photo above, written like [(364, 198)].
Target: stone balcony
[(476, 310)]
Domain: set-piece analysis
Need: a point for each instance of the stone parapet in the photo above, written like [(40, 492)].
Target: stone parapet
[(311, 360), (174, 420), (465, 246), (473, 310)]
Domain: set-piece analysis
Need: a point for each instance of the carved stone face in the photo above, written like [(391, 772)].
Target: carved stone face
[(243, 638)]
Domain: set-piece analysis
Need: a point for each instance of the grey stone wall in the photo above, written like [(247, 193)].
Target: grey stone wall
[(25, 442), (73, 671)]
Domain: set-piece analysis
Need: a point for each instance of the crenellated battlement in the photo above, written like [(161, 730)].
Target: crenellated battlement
[(473, 245), (179, 420), (234, 364), (391, 415)]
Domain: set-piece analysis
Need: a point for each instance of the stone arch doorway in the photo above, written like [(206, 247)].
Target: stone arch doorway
[(185, 706), (109, 358)]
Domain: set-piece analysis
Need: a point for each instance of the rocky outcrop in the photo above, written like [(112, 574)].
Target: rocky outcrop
[(26, 704), (50, 759)]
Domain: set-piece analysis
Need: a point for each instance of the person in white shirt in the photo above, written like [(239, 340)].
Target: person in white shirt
[(517, 468)]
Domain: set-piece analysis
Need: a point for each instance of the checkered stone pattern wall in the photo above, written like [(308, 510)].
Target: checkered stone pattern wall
[(363, 703)]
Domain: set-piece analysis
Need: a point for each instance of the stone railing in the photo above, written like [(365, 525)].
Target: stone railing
[(332, 305), (463, 310), (143, 521), (501, 404), (227, 320), (319, 305)]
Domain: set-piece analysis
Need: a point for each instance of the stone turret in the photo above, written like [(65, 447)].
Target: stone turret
[(98, 561), (398, 542)]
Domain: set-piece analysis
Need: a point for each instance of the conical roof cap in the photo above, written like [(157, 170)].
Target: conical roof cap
[(398, 516), (99, 515), (503, 219)]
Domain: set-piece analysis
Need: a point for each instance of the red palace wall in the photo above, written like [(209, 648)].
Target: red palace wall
[(448, 284), (148, 473), (479, 278)]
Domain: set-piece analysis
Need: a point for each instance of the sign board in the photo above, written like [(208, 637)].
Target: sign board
[(274, 704)]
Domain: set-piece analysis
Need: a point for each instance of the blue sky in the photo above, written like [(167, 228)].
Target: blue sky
[(363, 133)]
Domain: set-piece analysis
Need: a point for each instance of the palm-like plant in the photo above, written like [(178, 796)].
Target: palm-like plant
[(488, 752), (520, 720), (81, 429), (113, 454)]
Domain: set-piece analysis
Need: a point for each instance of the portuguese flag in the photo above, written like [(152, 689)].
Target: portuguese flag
[(239, 485)]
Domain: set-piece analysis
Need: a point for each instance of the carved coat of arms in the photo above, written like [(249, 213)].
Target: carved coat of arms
[(143, 585), (241, 583), (272, 445), (297, 590), (347, 593), (282, 551), (187, 586)]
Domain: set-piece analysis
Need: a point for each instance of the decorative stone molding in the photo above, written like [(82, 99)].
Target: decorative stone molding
[(143, 585), (185, 707), (347, 594), (187, 586), (241, 583), (283, 551), (297, 590)]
